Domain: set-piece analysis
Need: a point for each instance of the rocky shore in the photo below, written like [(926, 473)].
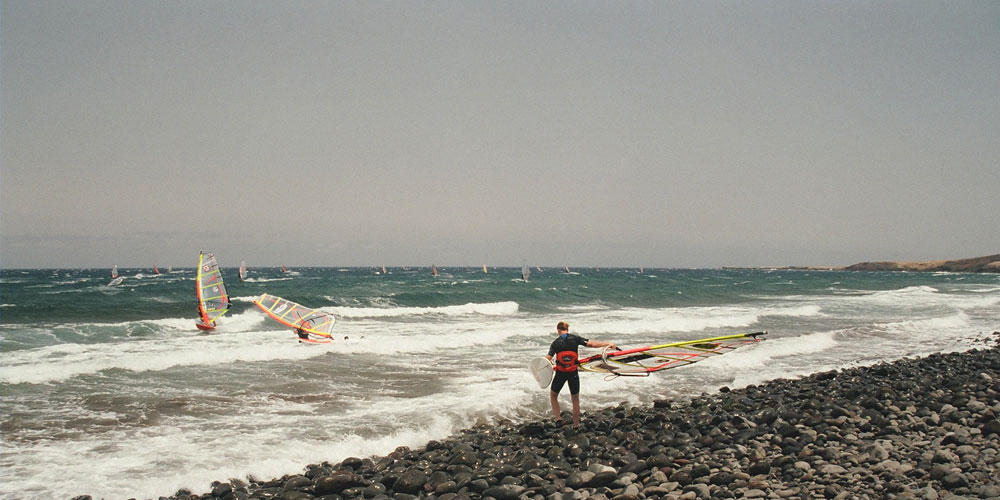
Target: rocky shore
[(922, 428)]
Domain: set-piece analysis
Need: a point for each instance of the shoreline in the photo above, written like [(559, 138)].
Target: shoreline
[(987, 264), (912, 429)]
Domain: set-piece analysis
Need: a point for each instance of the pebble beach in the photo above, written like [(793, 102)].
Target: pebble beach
[(921, 428)]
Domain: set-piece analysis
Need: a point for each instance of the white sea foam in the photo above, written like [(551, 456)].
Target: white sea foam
[(62, 362), (777, 348), (636, 321), (485, 309), (265, 280)]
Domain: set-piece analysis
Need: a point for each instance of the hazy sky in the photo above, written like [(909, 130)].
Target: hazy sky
[(581, 133)]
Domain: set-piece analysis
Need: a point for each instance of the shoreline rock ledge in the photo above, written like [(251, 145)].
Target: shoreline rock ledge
[(924, 428)]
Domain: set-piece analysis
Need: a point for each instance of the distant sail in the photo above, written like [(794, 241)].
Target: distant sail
[(313, 322), (525, 272), (213, 301), (283, 269), (156, 269), (484, 269), (383, 270), (434, 270), (566, 268), (243, 270), (114, 271)]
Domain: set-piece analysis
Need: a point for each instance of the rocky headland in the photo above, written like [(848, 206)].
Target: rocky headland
[(924, 428), (987, 264)]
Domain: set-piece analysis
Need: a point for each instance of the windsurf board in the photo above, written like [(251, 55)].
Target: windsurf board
[(541, 369)]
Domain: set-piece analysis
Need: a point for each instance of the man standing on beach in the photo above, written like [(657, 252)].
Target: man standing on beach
[(564, 348)]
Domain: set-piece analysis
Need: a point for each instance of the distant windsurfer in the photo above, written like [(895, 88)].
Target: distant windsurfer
[(565, 350)]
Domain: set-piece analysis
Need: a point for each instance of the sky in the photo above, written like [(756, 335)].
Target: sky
[(577, 133)]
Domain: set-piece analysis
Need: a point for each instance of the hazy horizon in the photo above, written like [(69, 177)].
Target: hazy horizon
[(581, 134)]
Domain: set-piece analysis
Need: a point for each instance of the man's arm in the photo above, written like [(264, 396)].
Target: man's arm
[(598, 343)]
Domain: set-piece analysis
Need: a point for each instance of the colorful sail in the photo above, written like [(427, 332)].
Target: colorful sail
[(213, 301), (156, 270), (114, 271), (317, 324), (434, 270), (645, 360), (243, 270)]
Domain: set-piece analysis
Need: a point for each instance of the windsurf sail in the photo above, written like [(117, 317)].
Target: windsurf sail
[(243, 270), (434, 270), (525, 272), (156, 270), (315, 323), (645, 360), (484, 269), (114, 271), (283, 269), (213, 301)]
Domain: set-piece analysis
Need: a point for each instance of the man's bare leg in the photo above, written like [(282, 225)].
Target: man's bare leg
[(554, 399), (576, 410)]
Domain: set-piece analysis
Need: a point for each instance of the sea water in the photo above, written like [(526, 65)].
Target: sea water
[(111, 391)]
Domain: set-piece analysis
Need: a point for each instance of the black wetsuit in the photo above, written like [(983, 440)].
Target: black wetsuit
[(564, 350)]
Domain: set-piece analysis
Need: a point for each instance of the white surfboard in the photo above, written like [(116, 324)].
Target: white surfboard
[(541, 369)]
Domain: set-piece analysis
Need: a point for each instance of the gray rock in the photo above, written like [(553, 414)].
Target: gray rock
[(700, 490), (831, 469), (222, 490), (335, 483), (954, 480), (579, 479), (373, 490), (295, 482), (991, 427), (505, 492), (412, 481)]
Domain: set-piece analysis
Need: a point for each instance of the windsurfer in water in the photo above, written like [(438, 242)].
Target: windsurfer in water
[(565, 349)]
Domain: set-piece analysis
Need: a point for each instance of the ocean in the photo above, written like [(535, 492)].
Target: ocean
[(111, 391)]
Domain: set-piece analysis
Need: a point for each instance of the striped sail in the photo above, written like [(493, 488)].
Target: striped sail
[(645, 360), (213, 301), (288, 313)]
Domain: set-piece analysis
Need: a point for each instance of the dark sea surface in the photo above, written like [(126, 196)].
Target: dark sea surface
[(112, 389)]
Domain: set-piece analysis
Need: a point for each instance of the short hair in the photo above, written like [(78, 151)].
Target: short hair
[(562, 326)]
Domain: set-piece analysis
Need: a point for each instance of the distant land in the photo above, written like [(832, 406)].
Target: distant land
[(987, 264)]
